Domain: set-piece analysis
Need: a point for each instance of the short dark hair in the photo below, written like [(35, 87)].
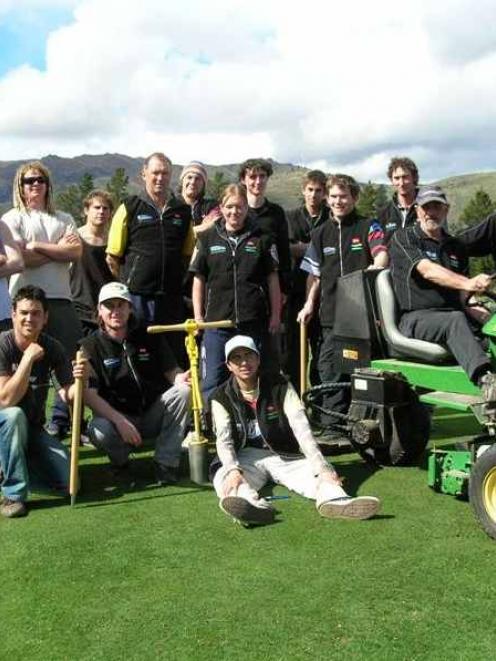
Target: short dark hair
[(405, 163), (255, 164), (315, 177), (343, 181), (31, 293)]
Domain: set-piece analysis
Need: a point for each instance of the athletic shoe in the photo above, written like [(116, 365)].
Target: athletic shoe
[(13, 508), (247, 513), (55, 430), (166, 475), (488, 386), (123, 476), (361, 507)]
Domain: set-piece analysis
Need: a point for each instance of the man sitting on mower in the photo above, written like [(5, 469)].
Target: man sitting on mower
[(428, 269), (263, 435)]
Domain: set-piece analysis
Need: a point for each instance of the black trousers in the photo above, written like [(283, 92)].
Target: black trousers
[(338, 400), (453, 329)]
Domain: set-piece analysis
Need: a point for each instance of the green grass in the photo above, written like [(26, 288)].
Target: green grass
[(161, 573)]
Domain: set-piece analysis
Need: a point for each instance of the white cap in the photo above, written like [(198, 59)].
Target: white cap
[(114, 290), (240, 341)]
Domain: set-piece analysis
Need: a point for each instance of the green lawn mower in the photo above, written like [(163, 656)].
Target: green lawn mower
[(395, 383)]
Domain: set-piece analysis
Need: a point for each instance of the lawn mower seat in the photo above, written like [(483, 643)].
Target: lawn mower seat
[(400, 345)]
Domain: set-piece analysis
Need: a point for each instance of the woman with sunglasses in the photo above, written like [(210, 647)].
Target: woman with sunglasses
[(49, 242)]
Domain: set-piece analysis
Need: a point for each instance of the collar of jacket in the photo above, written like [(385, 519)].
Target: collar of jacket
[(248, 229)]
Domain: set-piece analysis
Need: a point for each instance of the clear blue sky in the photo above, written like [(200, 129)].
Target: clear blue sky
[(23, 36)]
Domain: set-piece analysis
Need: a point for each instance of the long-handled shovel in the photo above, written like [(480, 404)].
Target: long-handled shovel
[(77, 409), (303, 359)]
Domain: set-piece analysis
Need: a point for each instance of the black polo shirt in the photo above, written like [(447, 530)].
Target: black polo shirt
[(129, 375), (337, 249), (480, 240), (300, 225), (407, 248)]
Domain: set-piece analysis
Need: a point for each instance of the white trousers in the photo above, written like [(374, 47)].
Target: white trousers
[(260, 466)]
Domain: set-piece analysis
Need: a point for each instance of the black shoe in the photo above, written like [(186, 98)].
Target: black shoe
[(123, 476), (166, 475)]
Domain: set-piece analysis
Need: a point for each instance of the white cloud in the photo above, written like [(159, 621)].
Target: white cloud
[(346, 87)]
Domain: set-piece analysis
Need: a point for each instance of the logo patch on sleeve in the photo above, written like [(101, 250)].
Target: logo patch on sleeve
[(329, 250)]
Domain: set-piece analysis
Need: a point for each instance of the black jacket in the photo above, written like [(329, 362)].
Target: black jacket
[(391, 218), (235, 274), (153, 259), (340, 248), (129, 375)]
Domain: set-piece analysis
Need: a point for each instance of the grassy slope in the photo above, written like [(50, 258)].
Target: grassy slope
[(162, 573)]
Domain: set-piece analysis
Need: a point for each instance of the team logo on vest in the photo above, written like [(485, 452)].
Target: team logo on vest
[(272, 413), (391, 226), (143, 355), (329, 250), (251, 247), (454, 261), (356, 244), (111, 363), (432, 255), (145, 218), (217, 250), (177, 220)]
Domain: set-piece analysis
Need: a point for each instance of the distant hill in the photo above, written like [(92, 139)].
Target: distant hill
[(284, 186)]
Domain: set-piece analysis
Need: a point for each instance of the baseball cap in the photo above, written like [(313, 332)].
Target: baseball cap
[(240, 341), (431, 194), (114, 290)]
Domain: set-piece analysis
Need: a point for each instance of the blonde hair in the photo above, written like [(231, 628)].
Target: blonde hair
[(17, 194), (233, 189)]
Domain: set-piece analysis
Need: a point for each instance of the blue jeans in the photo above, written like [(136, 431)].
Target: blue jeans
[(213, 363), (29, 457)]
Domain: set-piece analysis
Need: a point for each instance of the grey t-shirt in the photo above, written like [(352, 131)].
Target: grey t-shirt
[(54, 361)]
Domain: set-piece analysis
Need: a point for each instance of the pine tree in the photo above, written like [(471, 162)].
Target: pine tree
[(366, 201), (71, 198), (117, 186), (216, 185), (477, 208), (381, 198)]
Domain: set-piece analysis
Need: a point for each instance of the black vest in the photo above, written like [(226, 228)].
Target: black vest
[(153, 260), (273, 423)]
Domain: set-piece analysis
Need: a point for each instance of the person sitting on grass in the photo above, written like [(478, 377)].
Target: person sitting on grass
[(136, 390), (263, 434), (29, 456)]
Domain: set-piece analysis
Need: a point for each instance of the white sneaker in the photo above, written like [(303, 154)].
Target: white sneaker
[(361, 507), (245, 512)]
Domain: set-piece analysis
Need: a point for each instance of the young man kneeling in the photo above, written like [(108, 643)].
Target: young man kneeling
[(262, 432)]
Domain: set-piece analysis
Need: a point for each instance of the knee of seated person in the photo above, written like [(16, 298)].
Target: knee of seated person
[(99, 428), (14, 416)]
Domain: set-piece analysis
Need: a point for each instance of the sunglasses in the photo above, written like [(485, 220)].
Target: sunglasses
[(34, 180)]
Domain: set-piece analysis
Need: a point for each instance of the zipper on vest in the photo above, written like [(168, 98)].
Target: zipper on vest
[(340, 249), (134, 374)]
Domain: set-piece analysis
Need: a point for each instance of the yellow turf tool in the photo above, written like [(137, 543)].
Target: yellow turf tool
[(198, 457)]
